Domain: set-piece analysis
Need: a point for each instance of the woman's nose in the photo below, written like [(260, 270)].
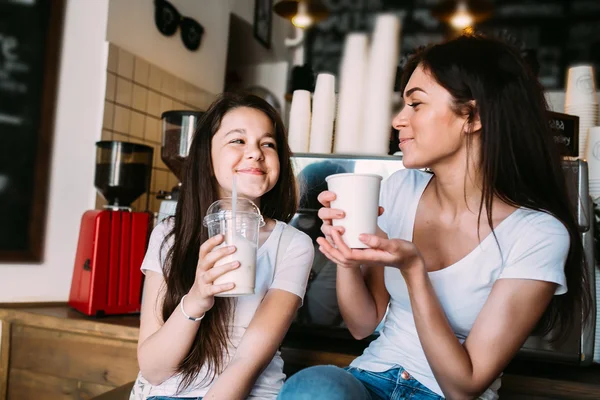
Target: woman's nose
[(400, 120)]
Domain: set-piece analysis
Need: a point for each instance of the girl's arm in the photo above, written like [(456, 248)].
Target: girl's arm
[(163, 346), (258, 346)]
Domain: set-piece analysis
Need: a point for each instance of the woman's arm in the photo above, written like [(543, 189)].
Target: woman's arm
[(361, 293), (362, 298), (464, 371), (510, 313), (258, 346)]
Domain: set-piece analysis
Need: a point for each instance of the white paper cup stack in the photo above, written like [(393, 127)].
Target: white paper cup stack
[(323, 114), (581, 100), (299, 124), (593, 158)]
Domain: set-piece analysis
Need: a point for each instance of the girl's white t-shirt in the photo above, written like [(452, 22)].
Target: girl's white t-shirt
[(291, 275), (534, 245)]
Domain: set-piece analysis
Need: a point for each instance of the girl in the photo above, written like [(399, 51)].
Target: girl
[(195, 345), (478, 253)]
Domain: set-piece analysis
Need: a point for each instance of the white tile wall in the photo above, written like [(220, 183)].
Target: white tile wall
[(137, 93)]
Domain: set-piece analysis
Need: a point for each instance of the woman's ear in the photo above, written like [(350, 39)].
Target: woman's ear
[(473, 124)]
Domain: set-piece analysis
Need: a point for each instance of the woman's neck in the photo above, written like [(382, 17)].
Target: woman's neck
[(457, 189)]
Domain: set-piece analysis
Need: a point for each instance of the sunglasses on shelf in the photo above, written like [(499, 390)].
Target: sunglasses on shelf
[(168, 19)]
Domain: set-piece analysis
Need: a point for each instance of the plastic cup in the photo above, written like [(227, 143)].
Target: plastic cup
[(244, 235), (358, 196)]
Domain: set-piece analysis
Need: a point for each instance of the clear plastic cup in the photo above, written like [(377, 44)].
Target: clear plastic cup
[(244, 235)]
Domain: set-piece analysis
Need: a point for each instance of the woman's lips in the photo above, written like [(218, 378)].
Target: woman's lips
[(404, 141)]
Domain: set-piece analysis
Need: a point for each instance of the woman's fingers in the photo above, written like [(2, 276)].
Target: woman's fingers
[(326, 197), (217, 271), (327, 214)]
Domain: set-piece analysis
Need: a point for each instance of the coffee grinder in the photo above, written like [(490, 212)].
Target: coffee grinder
[(178, 127), (112, 241)]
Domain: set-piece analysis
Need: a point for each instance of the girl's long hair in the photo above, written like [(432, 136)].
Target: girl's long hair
[(198, 192), (520, 162)]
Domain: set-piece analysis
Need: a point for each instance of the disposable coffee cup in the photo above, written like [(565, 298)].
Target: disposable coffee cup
[(581, 87), (358, 196), (243, 233)]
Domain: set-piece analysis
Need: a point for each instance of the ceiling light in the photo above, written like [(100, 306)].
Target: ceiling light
[(302, 13)]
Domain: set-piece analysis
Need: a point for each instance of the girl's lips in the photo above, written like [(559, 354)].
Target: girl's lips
[(404, 141), (251, 171)]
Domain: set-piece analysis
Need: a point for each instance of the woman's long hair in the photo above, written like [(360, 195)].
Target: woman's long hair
[(520, 162), (199, 189)]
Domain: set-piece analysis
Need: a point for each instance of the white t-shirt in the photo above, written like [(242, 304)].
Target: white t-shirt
[(291, 275), (534, 246)]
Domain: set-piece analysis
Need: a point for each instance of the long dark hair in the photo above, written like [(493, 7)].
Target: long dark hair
[(198, 191), (519, 161)]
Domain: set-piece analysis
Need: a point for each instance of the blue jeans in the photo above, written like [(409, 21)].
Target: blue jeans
[(170, 398), (332, 383)]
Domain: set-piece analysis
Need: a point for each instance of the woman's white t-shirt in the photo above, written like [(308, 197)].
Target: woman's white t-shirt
[(291, 275), (534, 245)]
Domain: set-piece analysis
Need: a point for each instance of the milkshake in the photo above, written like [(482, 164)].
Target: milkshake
[(240, 224), (243, 276)]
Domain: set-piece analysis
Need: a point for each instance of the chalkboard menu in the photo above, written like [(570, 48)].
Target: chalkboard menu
[(30, 33), (557, 33)]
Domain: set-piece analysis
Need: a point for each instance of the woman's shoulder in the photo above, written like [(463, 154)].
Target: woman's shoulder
[(408, 178), (537, 223)]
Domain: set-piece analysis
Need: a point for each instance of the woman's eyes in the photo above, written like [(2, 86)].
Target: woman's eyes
[(414, 104)]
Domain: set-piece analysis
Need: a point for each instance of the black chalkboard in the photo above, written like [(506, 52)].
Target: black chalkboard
[(557, 32), (30, 33)]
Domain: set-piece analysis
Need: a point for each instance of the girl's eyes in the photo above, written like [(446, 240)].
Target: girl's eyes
[(414, 104), (241, 141)]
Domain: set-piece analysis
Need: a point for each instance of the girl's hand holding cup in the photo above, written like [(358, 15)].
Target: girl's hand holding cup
[(200, 298)]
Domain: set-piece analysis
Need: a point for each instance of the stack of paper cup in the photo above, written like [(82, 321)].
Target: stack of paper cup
[(348, 125), (593, 159), (379, 85), (299, 125), (581, 100), (323, 114)]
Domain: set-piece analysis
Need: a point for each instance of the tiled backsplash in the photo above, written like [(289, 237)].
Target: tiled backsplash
[(137, 93)]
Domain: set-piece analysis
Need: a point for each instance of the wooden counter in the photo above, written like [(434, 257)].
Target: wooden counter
[(60, 353), (64, 355)]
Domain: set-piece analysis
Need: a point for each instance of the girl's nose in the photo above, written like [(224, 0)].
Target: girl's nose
[(254, 152)]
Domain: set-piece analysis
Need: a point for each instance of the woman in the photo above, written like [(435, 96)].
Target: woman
[(193, 344), (479, 252)]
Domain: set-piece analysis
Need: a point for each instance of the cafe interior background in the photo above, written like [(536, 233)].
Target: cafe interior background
[(114, 73)]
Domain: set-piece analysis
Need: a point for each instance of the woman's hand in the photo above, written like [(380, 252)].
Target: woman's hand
[(381, 252), (200, 298)]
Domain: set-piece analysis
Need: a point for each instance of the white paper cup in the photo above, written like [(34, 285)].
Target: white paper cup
[(358, 196), (581, 88)]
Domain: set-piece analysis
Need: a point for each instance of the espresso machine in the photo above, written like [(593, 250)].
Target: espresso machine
[(178, 127), (112, 241)]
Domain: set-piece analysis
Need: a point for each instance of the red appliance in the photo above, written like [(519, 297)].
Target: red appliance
[(112, 242)]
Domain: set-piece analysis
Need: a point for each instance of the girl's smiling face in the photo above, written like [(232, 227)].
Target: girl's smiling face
[(245, 146)]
